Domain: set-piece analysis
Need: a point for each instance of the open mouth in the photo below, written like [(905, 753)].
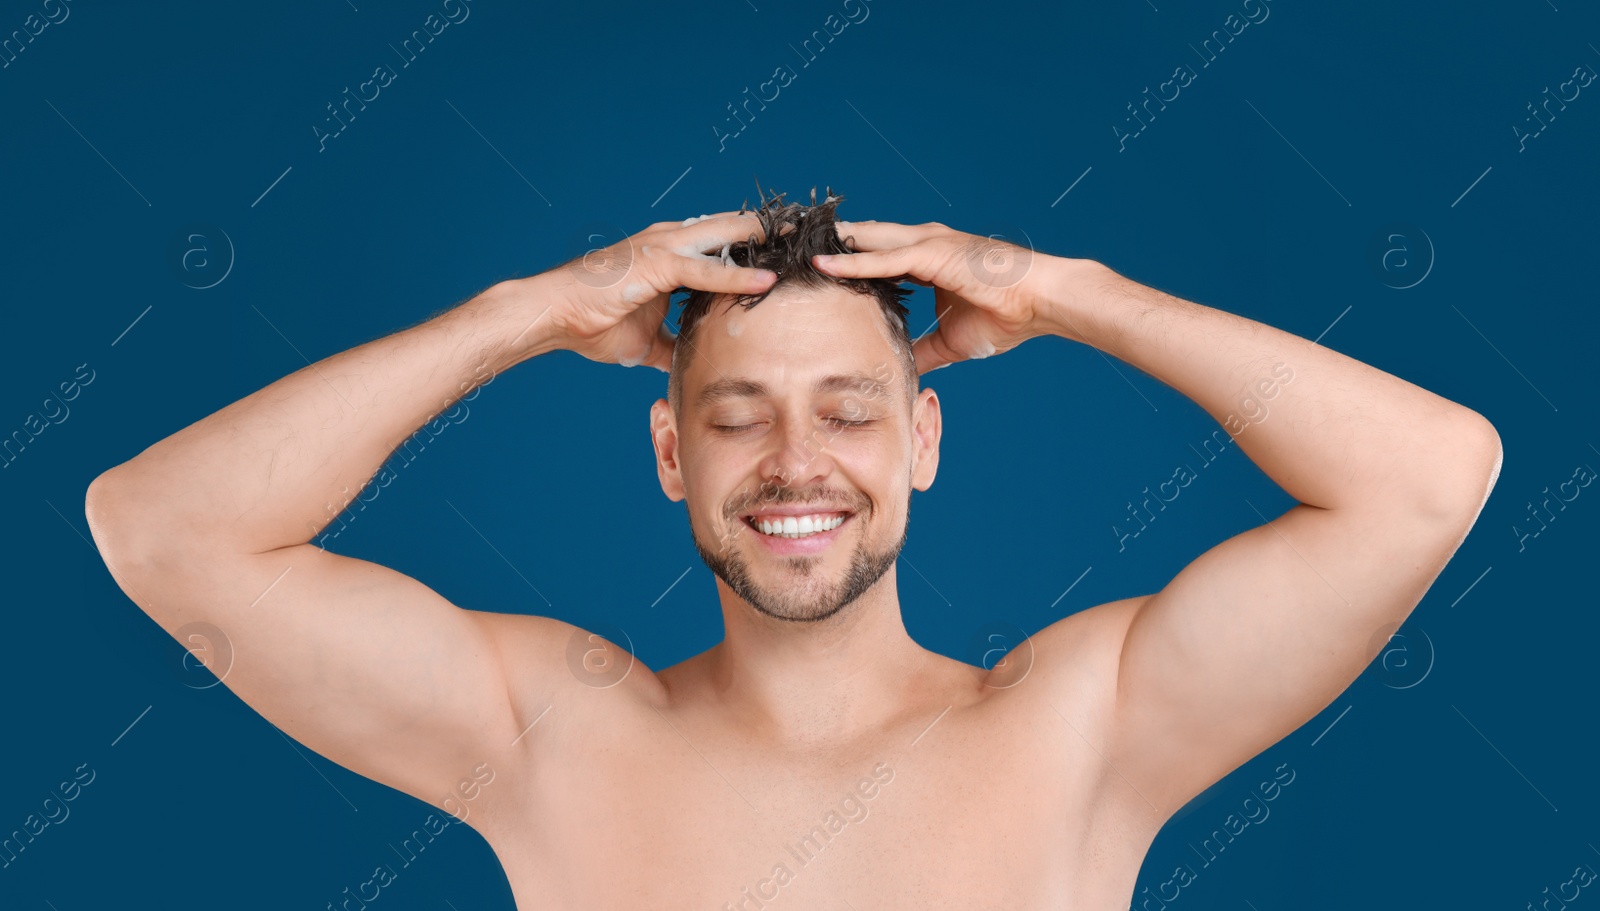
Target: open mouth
[(797, 526)]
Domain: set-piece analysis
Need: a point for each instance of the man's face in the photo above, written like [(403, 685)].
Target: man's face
[(796, 410)]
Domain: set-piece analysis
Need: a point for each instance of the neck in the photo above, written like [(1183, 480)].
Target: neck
[(820, 682)]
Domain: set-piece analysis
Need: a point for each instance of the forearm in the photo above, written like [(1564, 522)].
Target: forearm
[(273, 468), (1330, 430)]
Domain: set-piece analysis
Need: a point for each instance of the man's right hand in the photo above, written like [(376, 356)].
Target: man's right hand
[(609, 304)]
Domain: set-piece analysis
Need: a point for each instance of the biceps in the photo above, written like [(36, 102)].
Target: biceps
[(363, 664), (1259, 634)]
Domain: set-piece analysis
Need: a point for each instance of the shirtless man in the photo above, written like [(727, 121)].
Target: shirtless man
[(817, 757)]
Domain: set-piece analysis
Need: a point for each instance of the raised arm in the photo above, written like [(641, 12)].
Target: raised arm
[(363, 664), (1265, 629)]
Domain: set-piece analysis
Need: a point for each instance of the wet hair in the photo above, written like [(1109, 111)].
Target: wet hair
[(794, 233)]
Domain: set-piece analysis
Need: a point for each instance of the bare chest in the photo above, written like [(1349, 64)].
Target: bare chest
[(980, 809)]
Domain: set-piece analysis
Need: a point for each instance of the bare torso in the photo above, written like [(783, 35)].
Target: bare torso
[(720, 782), (647, 794)]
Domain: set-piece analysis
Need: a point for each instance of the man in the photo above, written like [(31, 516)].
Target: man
[(817, 757)]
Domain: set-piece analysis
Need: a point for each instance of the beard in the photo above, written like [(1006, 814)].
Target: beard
[(810, 598)]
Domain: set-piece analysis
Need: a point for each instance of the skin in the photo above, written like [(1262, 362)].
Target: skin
[(1038, 783)]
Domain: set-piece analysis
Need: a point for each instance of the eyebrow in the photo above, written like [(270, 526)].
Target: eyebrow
[(742, 387)]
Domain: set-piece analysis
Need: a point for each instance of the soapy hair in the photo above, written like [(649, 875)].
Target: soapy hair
[(793, 232)]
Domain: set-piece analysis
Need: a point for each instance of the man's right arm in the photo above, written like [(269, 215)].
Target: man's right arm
[(363, 664)]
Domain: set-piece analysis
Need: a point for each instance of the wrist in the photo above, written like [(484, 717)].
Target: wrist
[(510, 321), (1068, 295)]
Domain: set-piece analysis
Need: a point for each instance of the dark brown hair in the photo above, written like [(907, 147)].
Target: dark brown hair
[(794, 233)]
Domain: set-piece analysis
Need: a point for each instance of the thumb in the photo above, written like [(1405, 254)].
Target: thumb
[(661, 347), (932, 352)]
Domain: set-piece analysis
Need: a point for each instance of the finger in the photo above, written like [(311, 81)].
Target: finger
[(690, 257), (917, 261), (714, 233), (932, 352), (702, 233), (884, 235), (699, 218), (664, 226), (709, 274)]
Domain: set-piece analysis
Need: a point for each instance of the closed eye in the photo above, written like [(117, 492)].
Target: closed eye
[(836, 422)]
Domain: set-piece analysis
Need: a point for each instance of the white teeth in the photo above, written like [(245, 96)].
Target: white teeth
[(798, 526)]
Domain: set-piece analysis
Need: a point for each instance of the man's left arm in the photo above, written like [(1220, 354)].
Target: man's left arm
[(1264, 630)]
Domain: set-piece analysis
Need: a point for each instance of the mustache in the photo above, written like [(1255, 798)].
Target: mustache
[(783, 496)]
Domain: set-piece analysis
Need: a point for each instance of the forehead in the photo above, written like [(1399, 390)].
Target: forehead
[(789, 341)]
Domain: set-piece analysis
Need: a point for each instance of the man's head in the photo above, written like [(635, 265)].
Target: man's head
[(807, 405), (791, 234)]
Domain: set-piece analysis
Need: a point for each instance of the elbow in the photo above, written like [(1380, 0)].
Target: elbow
[(110, 508), (119, 537), (98, 505), (1467, 464)]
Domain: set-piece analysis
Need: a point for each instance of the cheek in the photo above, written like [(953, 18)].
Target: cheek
[(880, 468), (882, 452), (714, 481)]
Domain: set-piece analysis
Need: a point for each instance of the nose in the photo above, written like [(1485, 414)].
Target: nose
[(799, 453)]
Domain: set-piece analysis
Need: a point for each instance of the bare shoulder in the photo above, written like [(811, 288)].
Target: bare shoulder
[(570, 687), (1079, 654), (1068, 669), (1060, 685), (1067, 673), (570, 690), (550, 661)]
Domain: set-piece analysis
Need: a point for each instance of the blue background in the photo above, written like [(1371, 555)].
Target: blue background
[(1457, 771)]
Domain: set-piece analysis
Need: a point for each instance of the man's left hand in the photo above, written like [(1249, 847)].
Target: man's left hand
[(990, 295)]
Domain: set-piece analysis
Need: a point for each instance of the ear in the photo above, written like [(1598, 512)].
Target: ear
[(926, 427), (664, 435)]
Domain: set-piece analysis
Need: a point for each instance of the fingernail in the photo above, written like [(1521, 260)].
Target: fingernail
[(824, 259)]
